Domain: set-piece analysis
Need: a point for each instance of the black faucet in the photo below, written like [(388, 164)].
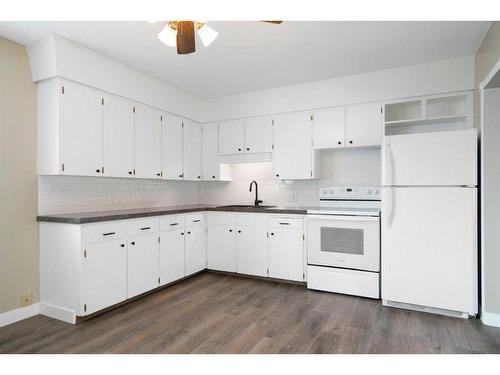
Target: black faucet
[(257, 201)]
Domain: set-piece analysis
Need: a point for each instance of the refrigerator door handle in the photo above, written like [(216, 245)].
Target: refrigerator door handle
[(388, 162), (389, 198)]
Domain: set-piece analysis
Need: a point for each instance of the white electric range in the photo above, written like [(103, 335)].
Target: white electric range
[(343, 237)]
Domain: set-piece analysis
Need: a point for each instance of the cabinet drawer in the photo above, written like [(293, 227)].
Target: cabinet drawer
[(252, 220), (286, 222), (194, 219), (171, 222), (104, 232), (143, 226), (222, 218)]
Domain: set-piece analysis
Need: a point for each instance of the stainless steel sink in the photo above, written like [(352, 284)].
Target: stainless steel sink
[(244, 206)]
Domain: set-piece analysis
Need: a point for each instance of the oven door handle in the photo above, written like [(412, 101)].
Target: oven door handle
[(343, 218)]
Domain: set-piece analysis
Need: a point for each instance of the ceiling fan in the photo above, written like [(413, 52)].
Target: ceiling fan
[(182, 35)]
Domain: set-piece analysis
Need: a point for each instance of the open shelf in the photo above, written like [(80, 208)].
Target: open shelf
[(446, 107), (425, 115), (404, 111)]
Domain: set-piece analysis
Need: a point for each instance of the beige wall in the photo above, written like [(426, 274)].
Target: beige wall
[(486, 57), (18, 187), (488, 53)]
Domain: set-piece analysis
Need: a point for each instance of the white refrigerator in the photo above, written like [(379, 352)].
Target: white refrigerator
[(429, 222)]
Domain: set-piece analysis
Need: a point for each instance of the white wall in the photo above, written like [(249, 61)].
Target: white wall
[(416, 80), (55, 56)]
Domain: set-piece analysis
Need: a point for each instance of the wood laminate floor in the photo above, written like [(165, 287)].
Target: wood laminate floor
[(216, 313)]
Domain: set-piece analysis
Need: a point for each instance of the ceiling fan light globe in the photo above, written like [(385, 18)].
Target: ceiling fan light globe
[(168, 36), (207, 35)]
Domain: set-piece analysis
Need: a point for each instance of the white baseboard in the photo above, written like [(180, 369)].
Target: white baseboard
[(58, 313), (490, 319), (16, 315)]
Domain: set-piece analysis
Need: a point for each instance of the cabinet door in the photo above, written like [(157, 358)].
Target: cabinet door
[(118, 136), (143, 264), (210, 152), (251, 247), (105, 274), (82, 132), (258, 134), (286, 254), (231, 137), (147, 142), (292, 157), (196, 258), (191, 140), (172, 148), (221, 241), (363, 125), (171, 256), (328, 128)]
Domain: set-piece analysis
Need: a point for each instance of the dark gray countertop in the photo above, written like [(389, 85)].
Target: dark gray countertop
[(94, 217)]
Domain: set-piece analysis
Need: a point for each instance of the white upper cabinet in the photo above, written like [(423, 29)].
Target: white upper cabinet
[(147, 142), (172, 148), (293, 156), (231, 137), (191, 141), (363, 125), (329, 128), (258, 134), (210, 152), (118, 136), (82, 132), (252, 135)]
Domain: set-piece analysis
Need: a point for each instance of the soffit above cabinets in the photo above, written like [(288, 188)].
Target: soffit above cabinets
[(251, 56)]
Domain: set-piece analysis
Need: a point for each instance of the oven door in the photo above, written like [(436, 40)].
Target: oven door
[(344, 241)]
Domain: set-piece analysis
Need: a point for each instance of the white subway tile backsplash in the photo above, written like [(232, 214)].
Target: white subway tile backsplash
[(65, 194)]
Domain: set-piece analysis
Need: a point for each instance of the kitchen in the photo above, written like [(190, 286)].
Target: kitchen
[(256, 219)]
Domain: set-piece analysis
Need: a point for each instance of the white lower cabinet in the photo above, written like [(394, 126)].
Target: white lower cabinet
[(171, 255), (195, 254), (143, 268), (251, 245), (221, 243), (286, 253), (256, 244), (87, 268), (105, 274)]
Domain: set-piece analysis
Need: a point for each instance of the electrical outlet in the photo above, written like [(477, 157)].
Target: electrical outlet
[(292, 196), (26, 299)]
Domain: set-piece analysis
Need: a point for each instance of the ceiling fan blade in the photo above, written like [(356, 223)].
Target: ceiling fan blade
[(185, 37), (274, 22)]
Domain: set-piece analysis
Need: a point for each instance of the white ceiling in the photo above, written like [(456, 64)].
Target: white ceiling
[(250, 56)]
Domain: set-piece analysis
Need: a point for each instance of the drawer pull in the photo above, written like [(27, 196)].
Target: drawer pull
[(109, 234), (122, 245), (284, 223), (174, 224), (196, 221), (146, 228), (133, 242)]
